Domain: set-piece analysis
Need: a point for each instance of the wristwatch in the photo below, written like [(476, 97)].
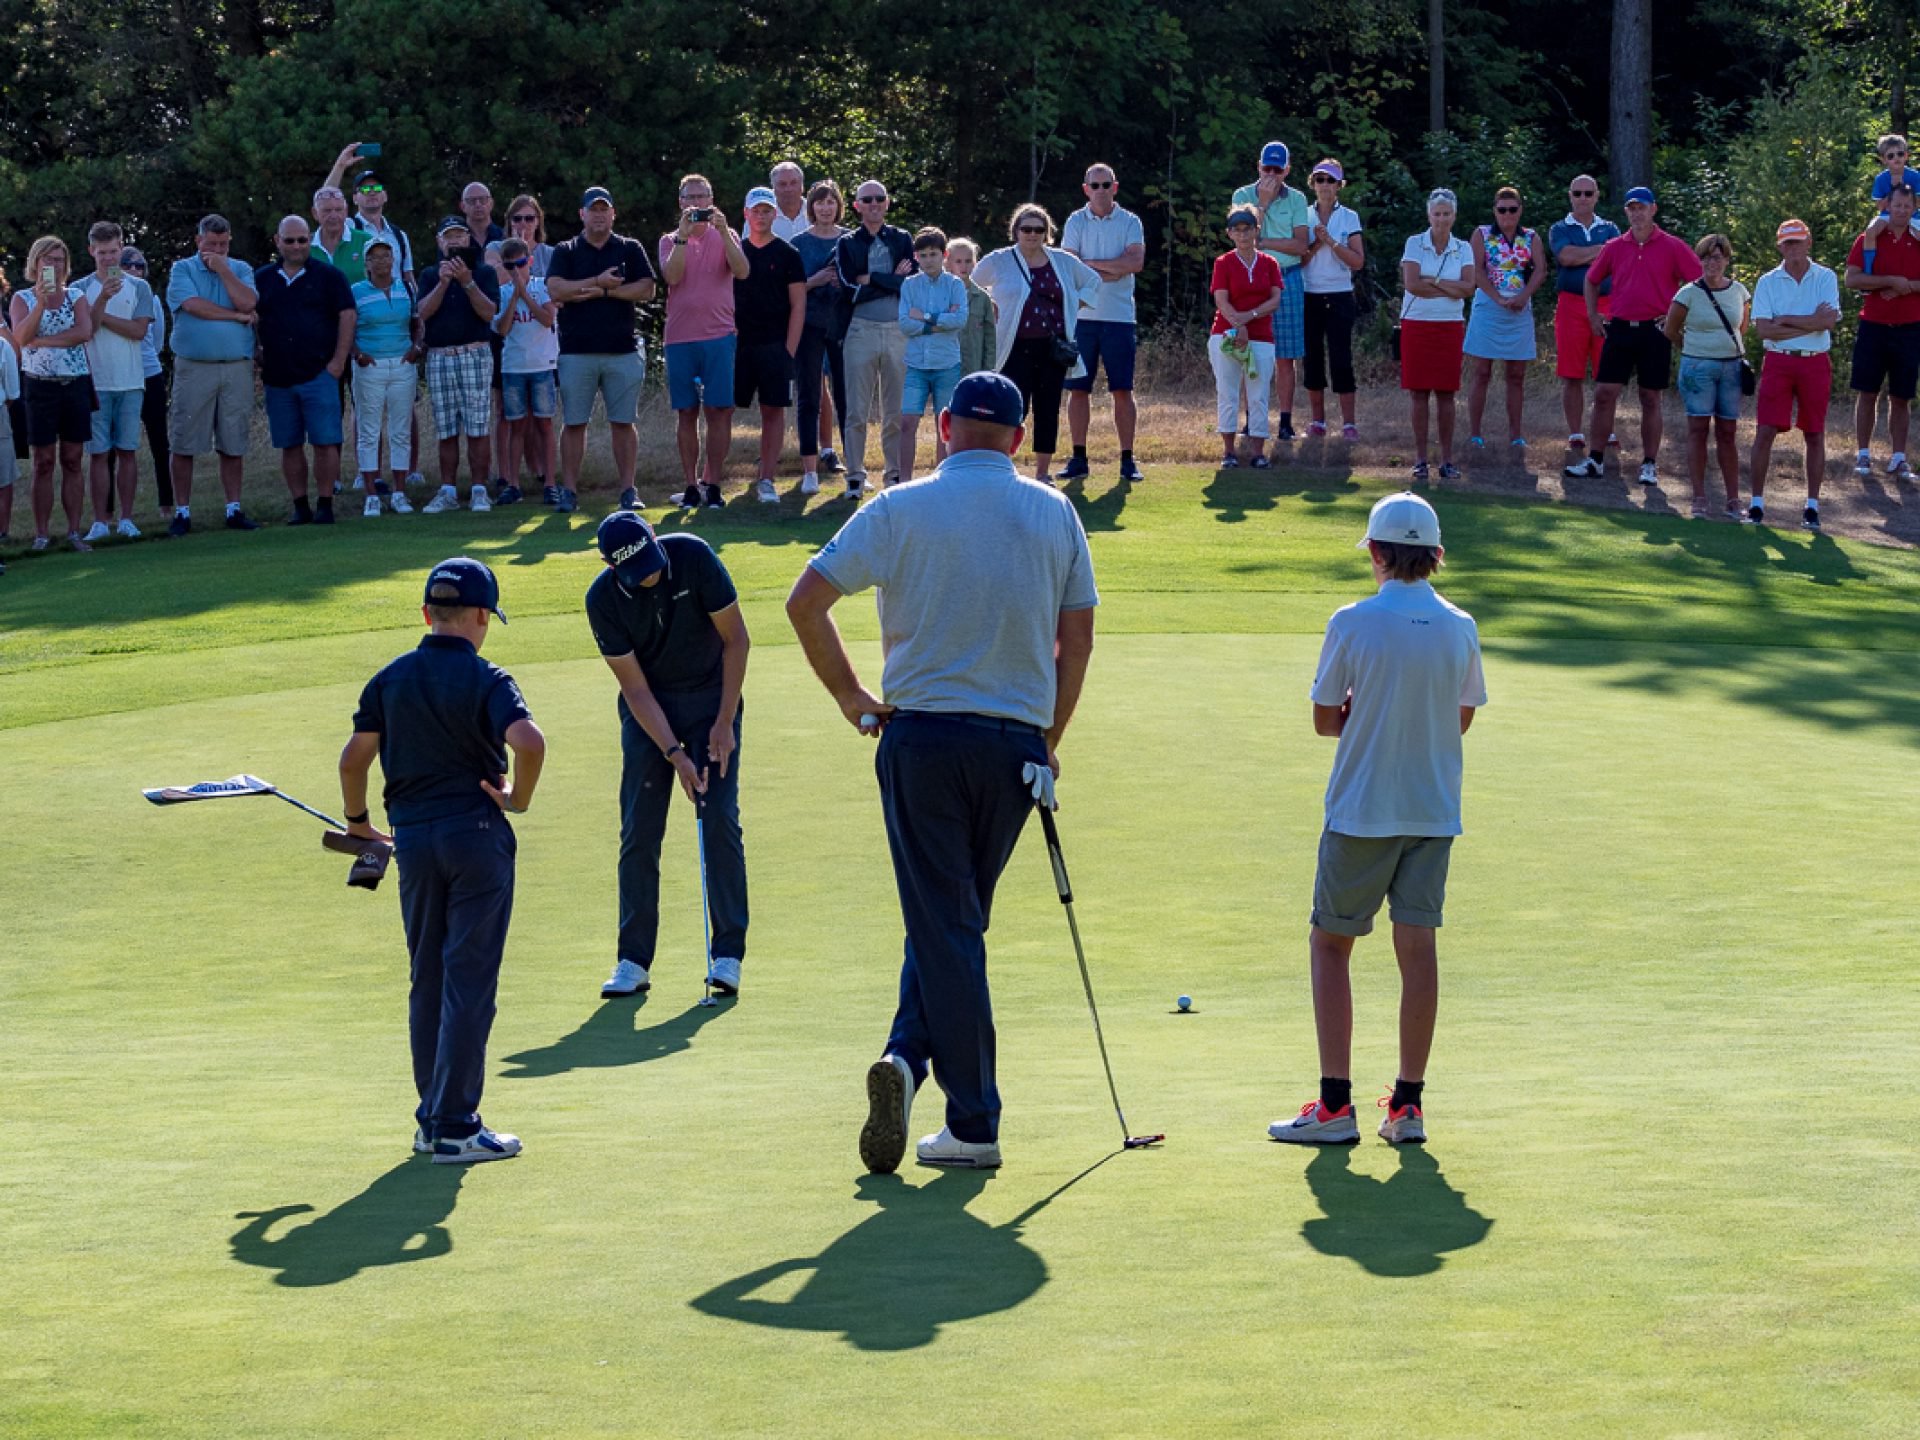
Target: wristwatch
[(672, 750)]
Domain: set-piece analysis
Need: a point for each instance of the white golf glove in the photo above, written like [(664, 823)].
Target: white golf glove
[(1039, 779)]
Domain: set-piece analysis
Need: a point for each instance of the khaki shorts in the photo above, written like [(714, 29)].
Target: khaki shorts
[(212, 407), (1357, 872)]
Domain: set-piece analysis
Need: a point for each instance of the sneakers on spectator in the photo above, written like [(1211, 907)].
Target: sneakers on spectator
[(445, 499), (630, 499), (830, 462), (237, 520), (415, 479), (99, 531), (1075, 468), (943, 1149), (1285, 432), (1449, 470), (1405, 1126), (1229, 462), (1649, 473), (550, 495), (1316, 427), (1756, 514), (81, 547), (41, 543), (1587, 469), (372, 507), (1897, 467), (1734, 512), (483, 1144), (1260, 462), (360, 483), (1863, 464), (480, 500), (569, 501), (1317, 1125), (1810, 518), (181, 524), (323, 512), (509, 495), (1476, 442), (710, 497), (856, 487), (765, 492), (629, 977), (1349, 432), (690, 497), (1421, 471), (399, 504), (126, 529), (810, 483), (1576, 441), (1130, 470)]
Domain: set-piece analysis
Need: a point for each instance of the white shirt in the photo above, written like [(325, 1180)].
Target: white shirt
[(1777, 295), (1093, 238), (531, 348), (785, 229), (1450, 264), (1411, 660), (117, 362), (1324, 272)]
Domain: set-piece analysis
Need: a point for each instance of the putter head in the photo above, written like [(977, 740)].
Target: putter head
[(707, 1002), (1141, 1142)]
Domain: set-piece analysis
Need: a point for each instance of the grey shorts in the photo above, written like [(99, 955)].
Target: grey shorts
[(615, 377), (212, 407), (1357, 872)]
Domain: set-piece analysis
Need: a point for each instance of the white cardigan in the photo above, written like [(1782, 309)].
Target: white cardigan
[(1001, 275)]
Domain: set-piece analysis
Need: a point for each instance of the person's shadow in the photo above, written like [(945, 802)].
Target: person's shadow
[(1398, 1227), (607, 1038), (893, 1280), (400, 1217)]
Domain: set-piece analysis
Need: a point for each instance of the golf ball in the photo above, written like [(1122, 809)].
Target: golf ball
[(1185, 1002)]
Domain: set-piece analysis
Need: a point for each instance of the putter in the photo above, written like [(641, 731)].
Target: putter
[(706, 926), (370, 856), (1128, 1141)]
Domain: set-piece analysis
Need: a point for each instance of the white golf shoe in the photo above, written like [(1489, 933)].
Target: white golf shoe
[(483, 1144), (447, 499), (421, 1144), (883, 1139), (725, 975), (627, 978), (943, 1149), (372, 507)]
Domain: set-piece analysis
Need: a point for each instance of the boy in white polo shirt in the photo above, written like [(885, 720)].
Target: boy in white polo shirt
[(1398, 682)]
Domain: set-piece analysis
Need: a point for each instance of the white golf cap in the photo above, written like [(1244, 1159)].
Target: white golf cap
[(760, 195), (1403, 519)]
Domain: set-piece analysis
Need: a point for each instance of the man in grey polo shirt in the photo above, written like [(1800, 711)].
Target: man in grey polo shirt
[(987, 624), (1109, 238), (1398, 683)]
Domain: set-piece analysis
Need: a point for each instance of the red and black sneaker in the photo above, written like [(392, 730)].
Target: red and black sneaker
[(1317, 1125)]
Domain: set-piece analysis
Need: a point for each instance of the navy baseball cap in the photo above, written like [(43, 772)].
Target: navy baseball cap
[(1275, 154), (594, 196), (454, 222), (987, 395), (473, 585), (628, 544), (1640, 195), (367, 177)]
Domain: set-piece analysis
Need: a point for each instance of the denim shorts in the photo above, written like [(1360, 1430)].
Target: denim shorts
[(922, 385), (1710, 387), (694, 366), (306, 414), (116, 424), (535, 390)]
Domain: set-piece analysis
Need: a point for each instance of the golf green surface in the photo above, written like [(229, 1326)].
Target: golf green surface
[(1671, 1185)]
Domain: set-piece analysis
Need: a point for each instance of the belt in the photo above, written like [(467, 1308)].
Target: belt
[(1632, 324), (461, 349), (54, 379), (984, 722)]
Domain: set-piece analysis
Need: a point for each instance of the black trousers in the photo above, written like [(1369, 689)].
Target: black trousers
[(1032, 367), (153, 416), (1329, 320), (815, 345)]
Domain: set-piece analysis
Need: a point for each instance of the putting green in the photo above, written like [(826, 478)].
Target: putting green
[(1669, 1190)]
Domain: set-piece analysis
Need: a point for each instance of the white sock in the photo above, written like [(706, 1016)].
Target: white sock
[(233, 508)]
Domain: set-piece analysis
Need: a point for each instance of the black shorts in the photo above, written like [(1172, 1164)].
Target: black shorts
[(762, 374), (1886, 355), (1635, 350), (58, 411)]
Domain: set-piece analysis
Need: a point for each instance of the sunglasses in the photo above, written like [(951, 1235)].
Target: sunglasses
[(1325, 180), (133, 264), (869, 199), (373, 189), (293, 240), (1099, 184), (523, 219), (518, 264), (1033, 230), (1506, 209), (1582, 194), (1273, 169)]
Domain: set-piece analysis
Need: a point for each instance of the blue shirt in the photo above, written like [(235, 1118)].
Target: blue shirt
[(1572, 279), (442, 715), (933, 343), (197, 339), (386, 319), (974, 565)]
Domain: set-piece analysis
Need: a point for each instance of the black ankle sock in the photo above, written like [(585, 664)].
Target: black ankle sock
[(1335, 1094), (1406, 1092), (1286, 418), (1125, 456), (301, 505), (1079, 452), (325, 502)]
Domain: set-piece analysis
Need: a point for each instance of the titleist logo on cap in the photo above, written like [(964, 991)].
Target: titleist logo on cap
[(452, 577), (627, 552)]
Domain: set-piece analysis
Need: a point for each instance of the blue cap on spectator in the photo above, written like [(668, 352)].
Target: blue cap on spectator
[(471, 583), (987, 395), (1274, 154), (628, 544), (596, 194), (1640, 195)]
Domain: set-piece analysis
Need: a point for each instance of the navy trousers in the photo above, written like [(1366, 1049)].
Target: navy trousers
[(954, 805), (456, 897), (647, 787)]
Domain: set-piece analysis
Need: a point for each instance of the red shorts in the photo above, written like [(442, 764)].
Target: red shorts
[(1576, 349), (1786, 378), (1430, 353)]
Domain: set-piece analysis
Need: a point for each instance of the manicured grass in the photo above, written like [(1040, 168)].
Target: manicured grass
[(1668, 1191)]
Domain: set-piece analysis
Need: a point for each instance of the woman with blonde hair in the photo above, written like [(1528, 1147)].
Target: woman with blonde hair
[(51, 326)]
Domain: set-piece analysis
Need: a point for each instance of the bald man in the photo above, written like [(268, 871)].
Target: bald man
[(305, 321), (1576, 242)]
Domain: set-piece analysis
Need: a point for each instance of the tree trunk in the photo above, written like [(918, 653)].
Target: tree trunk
[(1436, 66), (1631, 128)]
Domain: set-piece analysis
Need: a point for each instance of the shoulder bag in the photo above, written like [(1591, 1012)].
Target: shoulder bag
[(1066, 352), (1749, 382)]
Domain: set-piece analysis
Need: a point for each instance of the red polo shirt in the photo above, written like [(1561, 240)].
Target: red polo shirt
[(1645, 277), (1892, 255)]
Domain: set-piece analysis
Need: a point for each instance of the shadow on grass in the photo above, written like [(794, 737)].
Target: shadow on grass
[(608, 1039), (399, 1218), (893, 1280), (1399, 1227), (1098, 512)]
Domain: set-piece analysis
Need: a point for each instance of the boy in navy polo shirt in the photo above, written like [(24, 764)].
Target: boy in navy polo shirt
[(441, 720), (667, 621)]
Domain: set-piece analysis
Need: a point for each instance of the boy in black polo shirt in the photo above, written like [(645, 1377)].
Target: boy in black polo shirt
[(667, 621), (441, 720)]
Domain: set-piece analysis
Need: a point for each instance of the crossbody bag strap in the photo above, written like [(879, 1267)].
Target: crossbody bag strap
[(1718, 311)]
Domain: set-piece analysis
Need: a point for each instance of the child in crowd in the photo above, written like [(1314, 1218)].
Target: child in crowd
[(933, 312), (529, 389), (979, 340), (1892, 151)]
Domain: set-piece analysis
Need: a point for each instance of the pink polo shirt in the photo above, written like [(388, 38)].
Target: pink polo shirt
[(700, 307), (1645, 277)]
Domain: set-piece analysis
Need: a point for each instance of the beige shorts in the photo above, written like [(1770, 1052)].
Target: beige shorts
[(1357, 872), (212, 407)]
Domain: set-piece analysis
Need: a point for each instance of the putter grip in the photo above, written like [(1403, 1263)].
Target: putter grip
[(1054, 857)]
